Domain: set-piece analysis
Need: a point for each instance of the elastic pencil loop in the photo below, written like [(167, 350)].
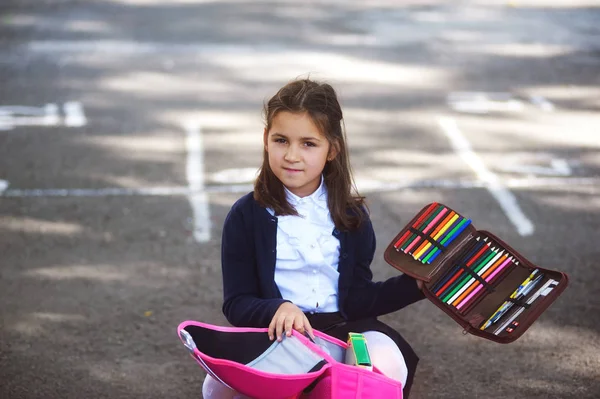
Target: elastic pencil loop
[(477, 277), (519, 302), (417, 232), (427, 237), (435, 243)]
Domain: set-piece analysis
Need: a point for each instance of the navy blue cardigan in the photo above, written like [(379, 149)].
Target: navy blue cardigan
[(251, 296)]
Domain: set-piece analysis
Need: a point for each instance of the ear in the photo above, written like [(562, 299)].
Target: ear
[(334, 150), (265, 138)]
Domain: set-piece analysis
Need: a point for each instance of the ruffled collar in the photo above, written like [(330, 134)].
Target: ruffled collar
[(319, 197)]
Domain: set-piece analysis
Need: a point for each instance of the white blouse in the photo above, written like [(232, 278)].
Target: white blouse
[(308, 254)]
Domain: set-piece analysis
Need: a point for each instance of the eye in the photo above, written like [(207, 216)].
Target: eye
[(280, 140), (310, 144)]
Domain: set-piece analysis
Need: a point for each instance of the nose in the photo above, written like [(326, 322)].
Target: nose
[(292, 154)]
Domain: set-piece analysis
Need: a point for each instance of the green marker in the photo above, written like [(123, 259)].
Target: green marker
[(447, 235), (357, 352), (454, 230)]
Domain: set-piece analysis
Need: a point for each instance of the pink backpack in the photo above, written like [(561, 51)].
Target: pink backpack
[(247, 361)]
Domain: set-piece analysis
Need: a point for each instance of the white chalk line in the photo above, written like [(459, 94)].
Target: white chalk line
[(128, 47), (486, 102), (507, 201), (558, 167), (174, 191), (13, 116), (74, 115), (195, 176)]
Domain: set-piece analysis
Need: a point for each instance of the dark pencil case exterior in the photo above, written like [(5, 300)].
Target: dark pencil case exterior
[(493, 294)]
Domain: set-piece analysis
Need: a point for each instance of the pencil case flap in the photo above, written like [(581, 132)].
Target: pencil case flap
[(407, 264), (527, 313), (500, 291)]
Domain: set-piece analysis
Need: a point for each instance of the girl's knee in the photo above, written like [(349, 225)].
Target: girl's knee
[(386, 356), (213, 389)]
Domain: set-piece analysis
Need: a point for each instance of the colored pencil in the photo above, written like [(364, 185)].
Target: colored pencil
[(437, 233), (447, 231), (420, 227), (507, 268), (473, 248), (429, 227), (451, 236), (470, 285), (463, 280), (474, 289), (415, 224), (428, 223), (461, 271), (423, 222)]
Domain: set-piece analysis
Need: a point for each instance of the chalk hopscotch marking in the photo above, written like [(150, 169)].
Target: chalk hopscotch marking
[(475, 102), (195, 176), (557, 167), (13, 116), (74, 115), (542, 103), (235, 175), (129, 47), (370, 187), (507, 201)]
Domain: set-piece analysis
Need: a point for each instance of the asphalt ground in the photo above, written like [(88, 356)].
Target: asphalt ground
[(114, 196)]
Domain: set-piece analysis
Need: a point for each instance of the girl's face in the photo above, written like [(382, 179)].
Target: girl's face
[(297, 152)]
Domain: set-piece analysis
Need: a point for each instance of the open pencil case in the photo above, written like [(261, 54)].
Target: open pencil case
[(245, 360), (485, 285)]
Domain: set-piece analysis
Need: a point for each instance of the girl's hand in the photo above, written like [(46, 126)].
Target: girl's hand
[(420, 284), (288, 317)]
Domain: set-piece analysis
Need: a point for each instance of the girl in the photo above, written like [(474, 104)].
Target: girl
[(296, 252)]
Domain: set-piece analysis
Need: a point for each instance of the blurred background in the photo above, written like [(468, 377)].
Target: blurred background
[(129, 127)]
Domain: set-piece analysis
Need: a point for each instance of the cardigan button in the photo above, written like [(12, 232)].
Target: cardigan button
[(345, 255)]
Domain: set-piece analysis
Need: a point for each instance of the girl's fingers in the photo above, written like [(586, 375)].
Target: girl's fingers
[(299, 324), (289, 324), (272, 328), (279, 326), (308, 328), (285, 320)]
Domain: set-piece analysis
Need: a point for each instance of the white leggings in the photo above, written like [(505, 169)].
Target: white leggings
[(384, 353)]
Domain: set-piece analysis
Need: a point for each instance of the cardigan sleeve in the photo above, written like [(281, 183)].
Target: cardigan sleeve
[(243, 305), (370, 299)]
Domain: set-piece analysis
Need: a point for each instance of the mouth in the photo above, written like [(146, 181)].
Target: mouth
[(292, 170)]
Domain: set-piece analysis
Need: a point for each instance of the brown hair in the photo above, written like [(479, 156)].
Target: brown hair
[(319, 101)]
